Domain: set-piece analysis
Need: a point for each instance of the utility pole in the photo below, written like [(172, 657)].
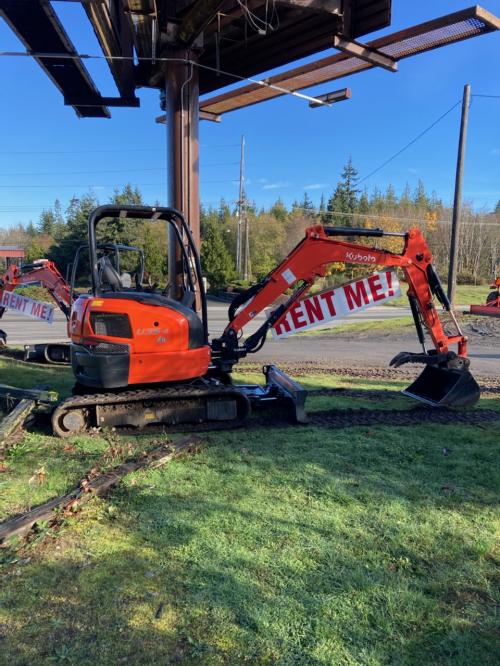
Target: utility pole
[(241, 204), (457, 203), (246, 266)]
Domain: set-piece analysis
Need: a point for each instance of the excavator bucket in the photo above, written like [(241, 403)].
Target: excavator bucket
[(444, 387)]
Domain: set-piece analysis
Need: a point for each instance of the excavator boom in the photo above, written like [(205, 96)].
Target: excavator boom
[(310, 260)]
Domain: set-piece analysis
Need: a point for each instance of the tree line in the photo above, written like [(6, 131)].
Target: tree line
[(274, 231)]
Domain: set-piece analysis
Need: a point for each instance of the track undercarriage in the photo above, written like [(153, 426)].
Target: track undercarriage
[(205, 402)]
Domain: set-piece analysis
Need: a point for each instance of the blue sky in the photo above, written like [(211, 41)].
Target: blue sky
[(47, 152)]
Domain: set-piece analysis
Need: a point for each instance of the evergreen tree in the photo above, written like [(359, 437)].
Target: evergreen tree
[(322, 205), (47, 222), (307, 206), (345, 196), (377, 200), (420, 198), (390, 197), (75, 232), (30, 229), (279, 211), (122, 230), (34, 251), (154, 257), (497, 208), (364, 203), (215, 259), (405, 199)]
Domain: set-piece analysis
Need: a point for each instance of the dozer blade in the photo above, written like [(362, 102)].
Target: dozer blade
[(279, 391), (445, 381)]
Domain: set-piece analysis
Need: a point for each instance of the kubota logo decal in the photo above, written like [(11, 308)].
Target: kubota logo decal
[(152, 331), (357, 256)]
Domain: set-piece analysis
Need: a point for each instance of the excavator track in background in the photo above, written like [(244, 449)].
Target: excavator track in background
[(167, 406)]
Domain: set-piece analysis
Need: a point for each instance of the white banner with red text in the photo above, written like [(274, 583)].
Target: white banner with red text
[(27, 306), (332, 304)]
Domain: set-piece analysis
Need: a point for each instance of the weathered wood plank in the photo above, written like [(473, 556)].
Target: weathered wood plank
[(39, 395), (15, 419), (99, 486)]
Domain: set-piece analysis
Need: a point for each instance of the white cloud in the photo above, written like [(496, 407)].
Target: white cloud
[(314, 186), (411, 170), (276, 186), (495, 151)]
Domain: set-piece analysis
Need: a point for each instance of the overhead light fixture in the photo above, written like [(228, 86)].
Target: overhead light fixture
[(331, 98)]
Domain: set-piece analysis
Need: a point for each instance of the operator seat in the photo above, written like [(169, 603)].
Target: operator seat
[(108, 275)]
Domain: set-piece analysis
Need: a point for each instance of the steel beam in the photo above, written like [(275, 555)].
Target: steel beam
[(321, 6), (364, 52), (133, 102), (197, 18)]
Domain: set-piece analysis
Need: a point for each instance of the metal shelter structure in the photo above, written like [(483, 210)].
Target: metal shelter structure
[(188, 48)]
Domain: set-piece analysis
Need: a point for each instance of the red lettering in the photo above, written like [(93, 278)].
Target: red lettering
[(35, 309), (313, 309), (328, 297), (283, 327), (355, 295), (376, 287), (296, 314)]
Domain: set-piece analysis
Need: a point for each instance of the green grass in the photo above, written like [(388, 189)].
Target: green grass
[(36, 293), (284, 546), (401, 324), (465, 294), (28, 375)]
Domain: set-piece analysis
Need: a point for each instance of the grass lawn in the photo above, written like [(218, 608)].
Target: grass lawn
[(286, 546), (382, 326), (465, 294)]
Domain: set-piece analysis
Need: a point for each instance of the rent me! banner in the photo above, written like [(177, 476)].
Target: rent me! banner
[(320, 309), (27, 306)]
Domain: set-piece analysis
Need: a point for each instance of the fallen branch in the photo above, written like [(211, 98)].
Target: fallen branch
[(98, 486)]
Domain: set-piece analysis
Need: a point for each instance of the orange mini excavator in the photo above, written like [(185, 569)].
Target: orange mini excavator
[(141, 355)]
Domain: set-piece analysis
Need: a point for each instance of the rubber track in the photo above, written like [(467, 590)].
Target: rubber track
[(186, 392), (333, 418)]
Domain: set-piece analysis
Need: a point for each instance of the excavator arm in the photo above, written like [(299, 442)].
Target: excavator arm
[(310, 260), (44, 272)]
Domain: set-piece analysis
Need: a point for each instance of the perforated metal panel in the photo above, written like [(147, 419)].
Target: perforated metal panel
[(418, 39)]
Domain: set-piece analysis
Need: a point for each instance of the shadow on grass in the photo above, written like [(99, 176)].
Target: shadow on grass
[(309, 547)]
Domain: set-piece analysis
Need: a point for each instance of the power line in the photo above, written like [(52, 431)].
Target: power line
[(186, 61), (79, 173), (410, 143), (490, 96), (104, 150), (101, 185)]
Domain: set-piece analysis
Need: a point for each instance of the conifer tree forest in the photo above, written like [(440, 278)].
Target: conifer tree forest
[(274, 231)]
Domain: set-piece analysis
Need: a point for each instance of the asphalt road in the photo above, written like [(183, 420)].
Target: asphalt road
[(484, 354), (23, 330)]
